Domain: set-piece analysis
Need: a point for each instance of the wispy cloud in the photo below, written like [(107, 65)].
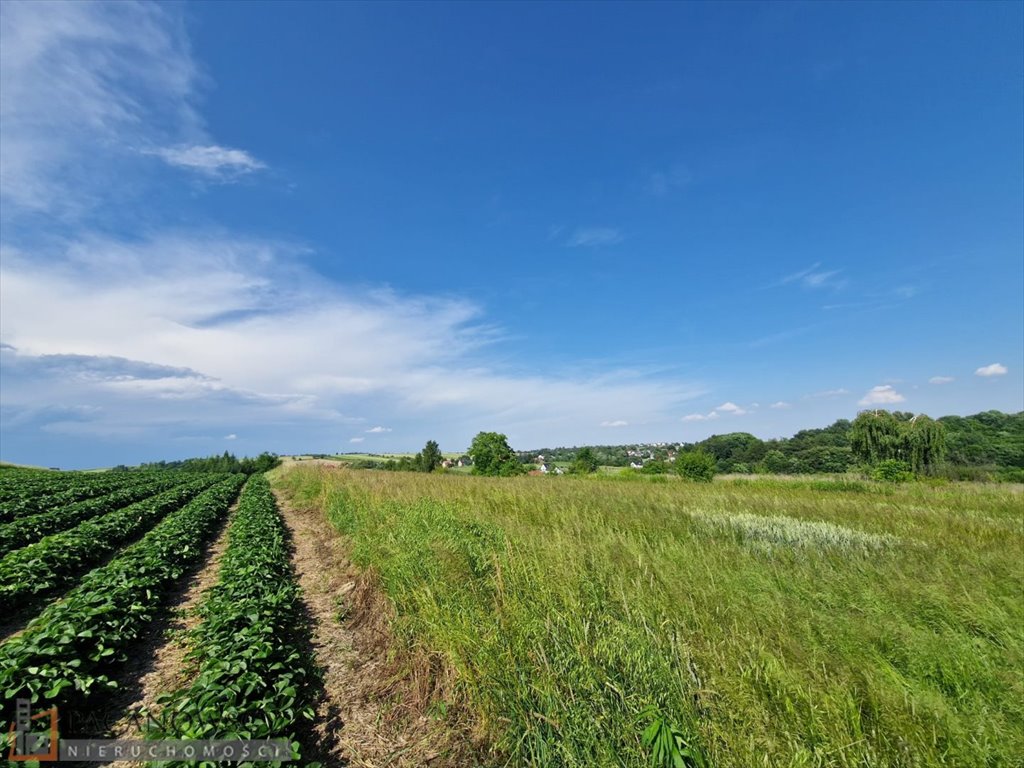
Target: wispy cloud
[(616, 423), (996, 369), (813, 277), (940, 379), (827, 393), (883, 394), (378, 430), (86, 89), (701, 416), (356, 439), (214, 162), (209, 312), (594, 237), (232, 436), (664, 182), (781, 336), (780, 405)]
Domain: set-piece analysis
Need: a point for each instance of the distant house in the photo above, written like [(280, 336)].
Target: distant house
[(635, 465), (544, 469)]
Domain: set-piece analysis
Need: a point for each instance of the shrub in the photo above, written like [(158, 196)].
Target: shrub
[(1011, 475), (892, 471), (697, 466)]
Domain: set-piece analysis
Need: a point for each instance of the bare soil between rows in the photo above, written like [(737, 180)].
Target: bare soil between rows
[(158, 663)]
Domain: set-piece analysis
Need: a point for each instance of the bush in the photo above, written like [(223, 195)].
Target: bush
[(1011, 475), (697, 466), (892, 471), (654, 467)]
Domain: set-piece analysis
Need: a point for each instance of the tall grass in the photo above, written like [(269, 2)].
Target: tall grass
[(767, 624)]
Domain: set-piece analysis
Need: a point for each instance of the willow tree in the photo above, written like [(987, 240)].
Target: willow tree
[(927, 443), (878, 436)]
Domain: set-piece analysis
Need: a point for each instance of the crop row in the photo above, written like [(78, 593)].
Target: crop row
[(16, 482), (23, 531), (66, 652), (57, 560), (28, 495), (254, 676)]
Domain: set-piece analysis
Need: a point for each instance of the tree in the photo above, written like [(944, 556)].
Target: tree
[(880, 436), (430, 457), (698, 466), (585, 462), (492, 455), (927, 443), (732, 448), (777, 463)]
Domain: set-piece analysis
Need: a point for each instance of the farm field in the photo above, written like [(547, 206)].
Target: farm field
[(414, 619), (580, 622), (113, 584)]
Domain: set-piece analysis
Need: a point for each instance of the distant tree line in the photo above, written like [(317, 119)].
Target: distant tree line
[(226, 462), (985, 445), (887, 445)]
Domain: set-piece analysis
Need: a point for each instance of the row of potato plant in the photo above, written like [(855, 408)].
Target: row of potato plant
[(254, 674), (29, 494), (65, 655), (29, 529), (58, 560)]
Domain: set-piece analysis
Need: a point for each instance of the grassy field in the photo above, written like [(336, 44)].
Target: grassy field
[(757, 623)]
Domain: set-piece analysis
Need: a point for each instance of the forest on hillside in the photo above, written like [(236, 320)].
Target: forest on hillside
[(988, 445)]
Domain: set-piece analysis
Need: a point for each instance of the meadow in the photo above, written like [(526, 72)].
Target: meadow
[(593, 621)]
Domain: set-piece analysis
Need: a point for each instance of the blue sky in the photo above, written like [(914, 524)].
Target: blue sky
[(337, 226)]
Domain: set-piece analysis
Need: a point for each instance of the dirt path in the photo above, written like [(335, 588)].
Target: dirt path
[(158, 665), (355, 723)]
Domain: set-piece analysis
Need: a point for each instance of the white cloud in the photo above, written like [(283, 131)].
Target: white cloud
[(231, 437), (594, 237), (86, 89), (356, 439), (213, 161), (996, 369), (883, 394), (940, 379), (616, 423), (701, 416), (250, 325), (77, 84), (378, 430), (732, 408), (780, 405)]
